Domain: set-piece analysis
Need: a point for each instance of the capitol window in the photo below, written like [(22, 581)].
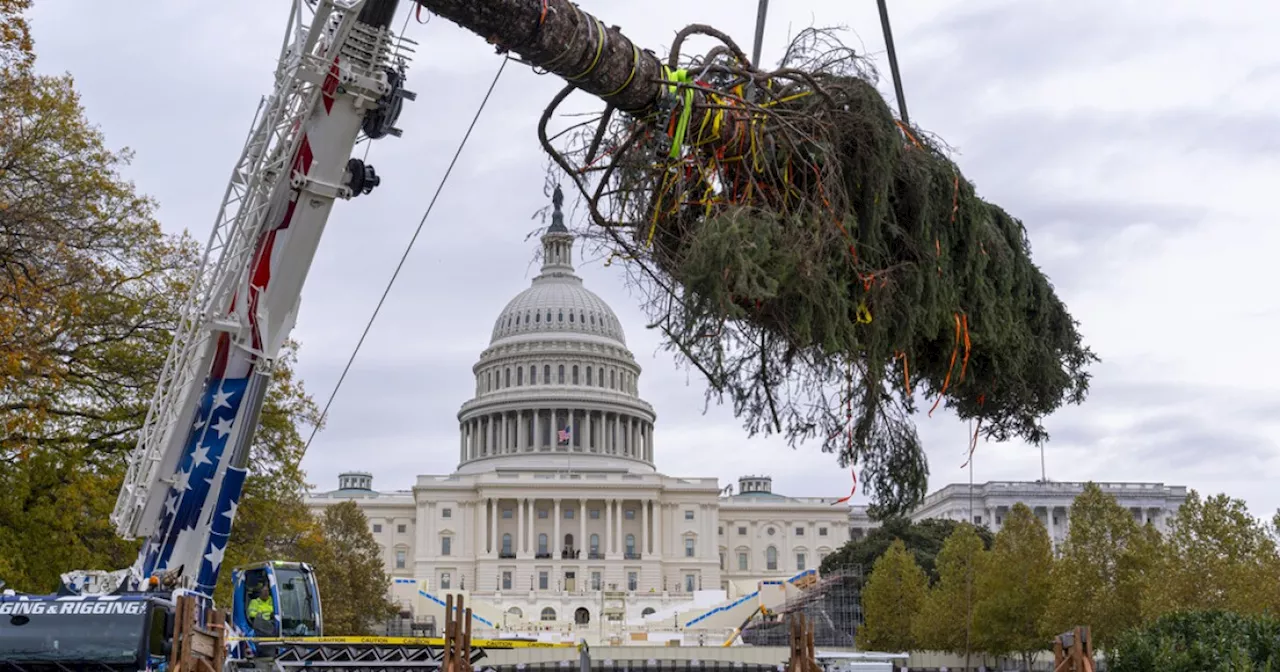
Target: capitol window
[(595, 543), (799, 562), (822, 531), (542, 544), (445, 580), (561, 316), (561, 374), (742, 531), (546, 375), (612, 384), (520, 376), (575, 374), (688, 515), (533, 375), (771, 558), (548, 614), (506, 544), (570, 316), (689, 547), (508, 379), (400, 558), (588, 375), (742, 562)]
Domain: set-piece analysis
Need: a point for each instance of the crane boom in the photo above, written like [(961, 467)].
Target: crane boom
[(339, 75)]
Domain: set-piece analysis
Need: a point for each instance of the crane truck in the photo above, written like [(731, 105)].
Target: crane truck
[(340, 77)]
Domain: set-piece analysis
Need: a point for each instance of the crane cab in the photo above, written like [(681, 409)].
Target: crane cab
[(288, 591)]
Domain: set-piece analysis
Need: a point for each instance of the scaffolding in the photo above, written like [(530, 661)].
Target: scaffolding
[(831, 604)]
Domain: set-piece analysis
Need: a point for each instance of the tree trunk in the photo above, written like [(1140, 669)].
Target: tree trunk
[(566, 44), (565, 40)]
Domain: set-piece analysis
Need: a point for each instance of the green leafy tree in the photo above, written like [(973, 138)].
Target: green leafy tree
[(923, 539), (1014, 587), (1099, 577), (891, 600), (945, 621), (1215, 557), (353, 584), (89, 295), (1199, 641)]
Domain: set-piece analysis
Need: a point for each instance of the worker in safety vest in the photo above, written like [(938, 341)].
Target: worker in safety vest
[(261, 612)]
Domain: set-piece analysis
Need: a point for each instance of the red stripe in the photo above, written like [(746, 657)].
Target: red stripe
[(261, 266), (330, 86)]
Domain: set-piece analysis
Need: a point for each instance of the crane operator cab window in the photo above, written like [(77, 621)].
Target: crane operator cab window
[(291, 610)]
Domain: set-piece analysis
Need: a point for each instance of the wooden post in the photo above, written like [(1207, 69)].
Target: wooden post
[(196, 647), (1073, 651), (457, 636)]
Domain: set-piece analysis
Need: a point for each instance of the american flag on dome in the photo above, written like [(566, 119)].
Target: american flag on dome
[(564, 435)]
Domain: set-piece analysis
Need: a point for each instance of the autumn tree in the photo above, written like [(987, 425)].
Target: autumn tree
[(945, 621), (1014, 588), (349, 570), (891, 600), (1100, 575), (1216, 556), (90, 291)]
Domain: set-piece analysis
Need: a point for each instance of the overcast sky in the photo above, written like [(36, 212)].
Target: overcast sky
[(1138, 140)]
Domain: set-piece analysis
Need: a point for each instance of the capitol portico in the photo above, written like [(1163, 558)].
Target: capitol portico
[(556, 503)]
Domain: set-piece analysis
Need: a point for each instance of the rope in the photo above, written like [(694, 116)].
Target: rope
[(325, 413)]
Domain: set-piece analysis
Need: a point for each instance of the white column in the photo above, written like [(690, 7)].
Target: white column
[(422, 533), (520, 504), (644, 527), (617, 520), (608, 528), (586, 433), (462, 443), (529, 538), (493, 526), (581, 542), (556, 541), (657, 528), (1053, 537)]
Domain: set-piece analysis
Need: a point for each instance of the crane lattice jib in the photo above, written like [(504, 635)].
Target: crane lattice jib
[(185, 474)]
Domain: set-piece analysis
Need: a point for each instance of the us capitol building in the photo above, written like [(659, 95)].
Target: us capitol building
[(556, 499)]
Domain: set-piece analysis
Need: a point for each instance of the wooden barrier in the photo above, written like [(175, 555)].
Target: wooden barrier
[(197, 648), (1073, 651), (802, 657), (457, 636)]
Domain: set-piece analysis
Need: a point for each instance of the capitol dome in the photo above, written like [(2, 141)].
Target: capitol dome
[(557, 387)]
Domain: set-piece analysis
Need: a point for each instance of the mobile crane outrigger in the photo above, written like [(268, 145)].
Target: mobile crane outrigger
[(340, 76)]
